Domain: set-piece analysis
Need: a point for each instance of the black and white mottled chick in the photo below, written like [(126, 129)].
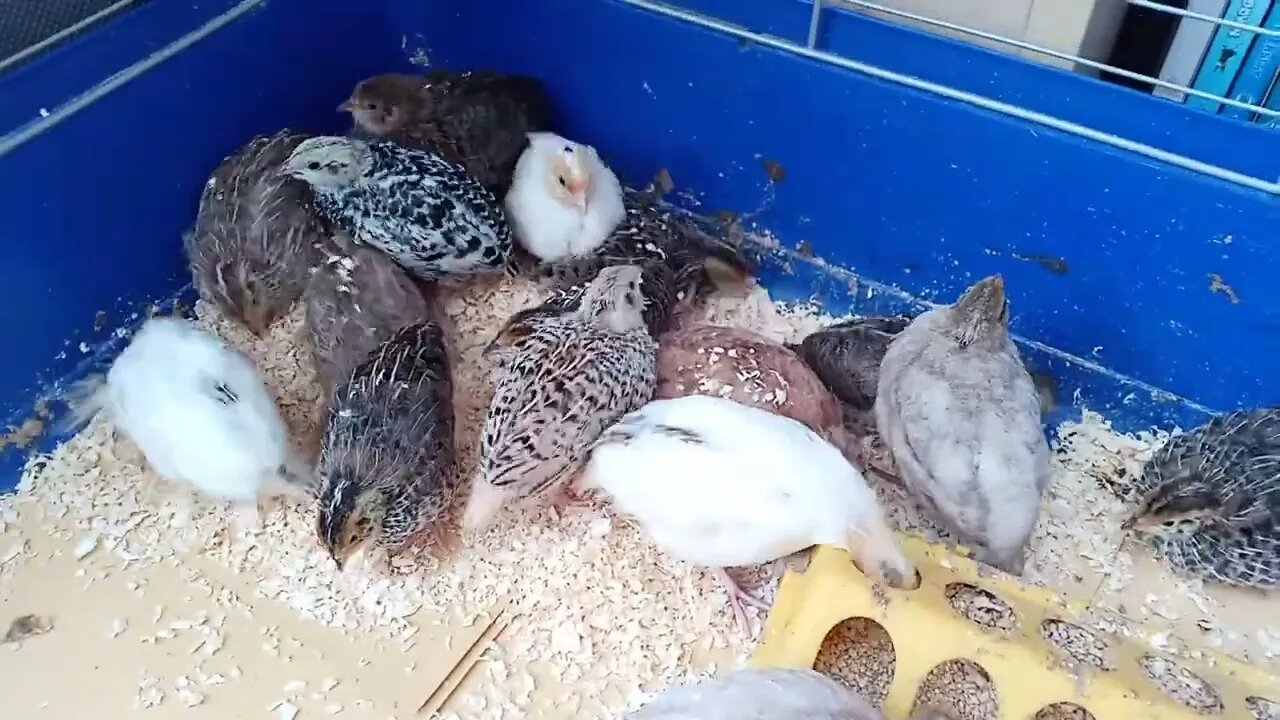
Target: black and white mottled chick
[(846, 356), (648, 234), (428, 214), (656, 287), (356, 300), (479, 119), (1210, 500), (251, 246), (556, 388), (386, 466)]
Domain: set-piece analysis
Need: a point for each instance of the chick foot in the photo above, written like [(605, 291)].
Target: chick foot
[(737, 597)]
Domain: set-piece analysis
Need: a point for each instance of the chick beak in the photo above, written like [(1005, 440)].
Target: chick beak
[(578, 191), (1129, 523), (347, 105), (336, 560)]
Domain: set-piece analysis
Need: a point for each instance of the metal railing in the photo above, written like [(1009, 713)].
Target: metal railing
[(811, 50), (57, 27)]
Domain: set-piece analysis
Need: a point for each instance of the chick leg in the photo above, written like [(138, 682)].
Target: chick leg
[(738, 596)]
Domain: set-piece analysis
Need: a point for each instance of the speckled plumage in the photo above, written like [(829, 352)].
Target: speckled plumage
[(748, 368), (478, 119), (847, 356), (386, 466), (428, 214), (960, 414), (759, 694), (557, 387), (651, 234), (356, 300), (1209, 500), (252, 242)]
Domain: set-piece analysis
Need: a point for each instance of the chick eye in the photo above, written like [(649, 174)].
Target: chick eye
[(562, 182), (371, 106), (313, 166), (1169, 523)]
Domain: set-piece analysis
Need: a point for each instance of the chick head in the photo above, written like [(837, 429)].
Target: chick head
[(327, 162), (981, 310), (614, 298), (382, 104), (566, 169), (344, 521), (1181, 506)]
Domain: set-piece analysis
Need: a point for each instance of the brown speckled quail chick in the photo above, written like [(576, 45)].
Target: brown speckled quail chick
[(479, 119), (759, 694), (386, 466), (1209, 500), (751, 369), (252, 244), (960, 414), (557, 386), (357, 298), (699, 262)]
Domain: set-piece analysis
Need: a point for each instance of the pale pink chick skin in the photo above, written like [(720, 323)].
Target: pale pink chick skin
[(751, 369)]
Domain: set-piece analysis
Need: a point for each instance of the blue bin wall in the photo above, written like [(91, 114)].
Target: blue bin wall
[(1107, 255)]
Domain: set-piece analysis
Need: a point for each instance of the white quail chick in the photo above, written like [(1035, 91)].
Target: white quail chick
[(201, 415), (759, 694), (477, 119), (719, 484), (557, 386), (251, 246), (564, 201), (961, 416), (1209, 500), (386, 468), (426, 213), (356, 300)]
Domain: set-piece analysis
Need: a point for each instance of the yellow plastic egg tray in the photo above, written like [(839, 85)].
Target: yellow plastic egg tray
[(1025, 669)]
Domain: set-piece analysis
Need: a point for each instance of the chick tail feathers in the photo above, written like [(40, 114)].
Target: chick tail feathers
[(875, 549), (85, 399), (483, 504)]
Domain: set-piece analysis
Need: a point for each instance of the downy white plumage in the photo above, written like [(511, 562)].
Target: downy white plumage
[(200, 413), (564, 201), (719, 484), (760, 694)]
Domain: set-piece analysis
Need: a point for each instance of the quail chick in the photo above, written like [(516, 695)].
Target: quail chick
[(556, 388), (961, 416), (719, 484), (477, 119), (751, 369), (564, 201), (759, 694), (356, 300), (201, 415), (427, 214), (698, 262), (386, 467), (252, 243), (847, 355), (656, 288), (1210, 500)]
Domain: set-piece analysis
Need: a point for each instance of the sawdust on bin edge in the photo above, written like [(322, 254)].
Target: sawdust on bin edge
[(596, 604)]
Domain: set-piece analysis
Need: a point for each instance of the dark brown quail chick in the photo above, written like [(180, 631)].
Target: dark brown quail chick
[(847, 356), (386, 468), (478, 119), (252, 244), (1209, 500)]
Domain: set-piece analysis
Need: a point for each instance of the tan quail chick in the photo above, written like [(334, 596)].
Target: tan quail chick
[(479, 119), (386, 467), (961, 416), (750, 369), (1209, 500), (759, 694), (356, 300), (556, 387), (252, 244)]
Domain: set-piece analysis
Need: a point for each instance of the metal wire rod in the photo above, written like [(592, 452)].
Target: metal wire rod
[(1022, 44), (61, 35), (1066, 126), (1207, 18)]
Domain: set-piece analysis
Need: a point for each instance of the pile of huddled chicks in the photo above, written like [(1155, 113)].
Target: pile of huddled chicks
[(727, 448)]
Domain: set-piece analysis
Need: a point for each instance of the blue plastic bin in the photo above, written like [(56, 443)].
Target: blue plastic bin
[(1145, 287)]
